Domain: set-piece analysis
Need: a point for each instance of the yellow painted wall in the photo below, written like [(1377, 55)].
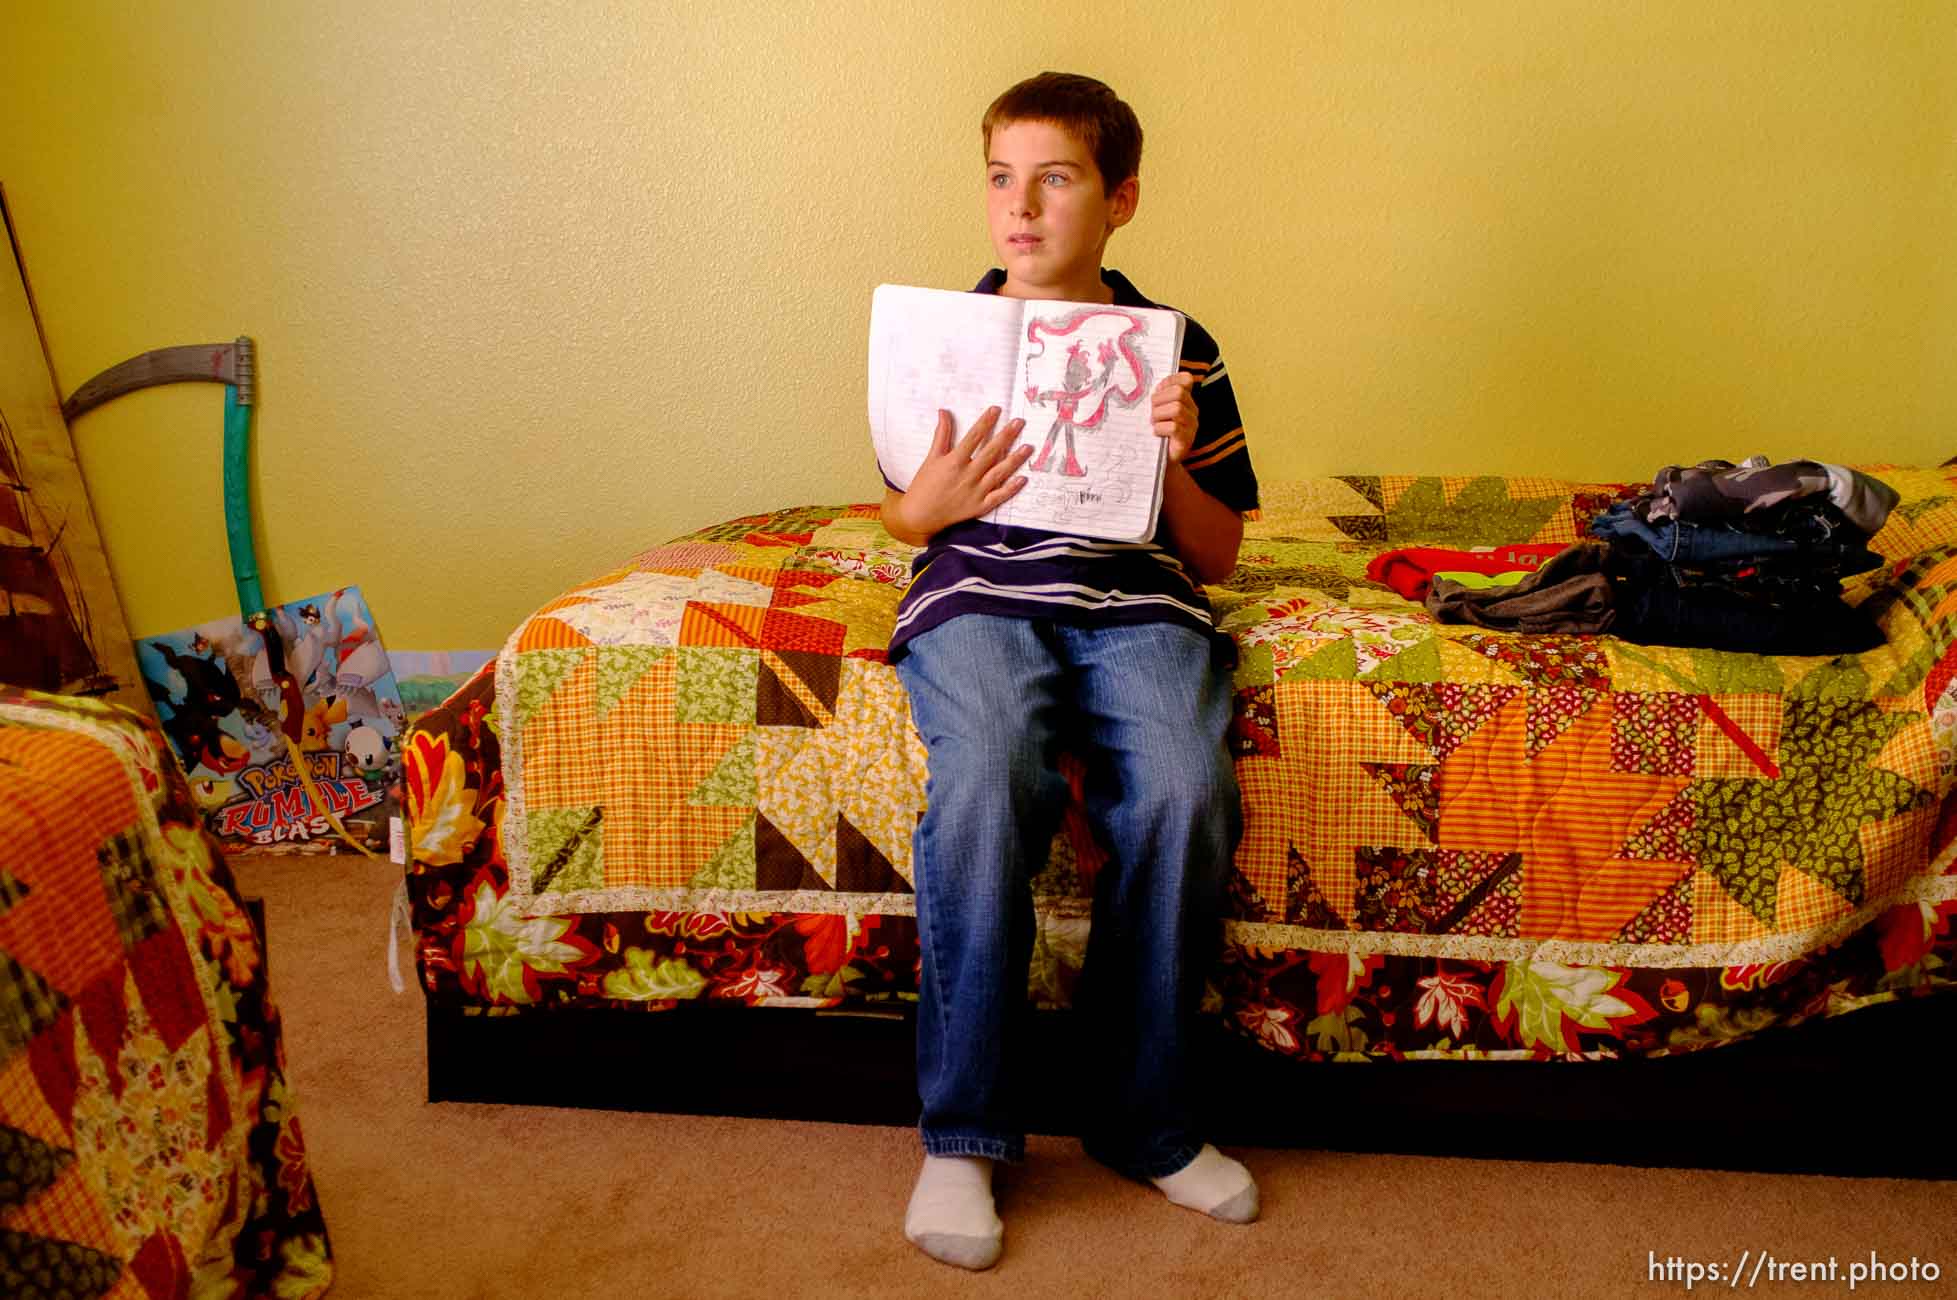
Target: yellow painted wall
[(539, 284)]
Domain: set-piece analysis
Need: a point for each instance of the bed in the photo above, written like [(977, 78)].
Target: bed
[(152, 1146), (687, 786)]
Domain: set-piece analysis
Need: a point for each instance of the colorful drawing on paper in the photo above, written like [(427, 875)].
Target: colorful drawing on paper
[(220, 708), (1081, 391)]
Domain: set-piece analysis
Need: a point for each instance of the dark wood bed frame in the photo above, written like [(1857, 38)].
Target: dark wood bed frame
[(1830, 1096)]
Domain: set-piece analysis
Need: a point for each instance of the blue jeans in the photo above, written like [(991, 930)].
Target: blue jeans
[(1801, 533), (1145, 706)]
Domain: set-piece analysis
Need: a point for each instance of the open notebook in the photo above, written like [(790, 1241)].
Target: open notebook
[(1080, 374)]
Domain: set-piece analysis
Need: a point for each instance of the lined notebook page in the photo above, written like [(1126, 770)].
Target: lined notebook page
[(1079, 374), (1087, 373), (932, 350)]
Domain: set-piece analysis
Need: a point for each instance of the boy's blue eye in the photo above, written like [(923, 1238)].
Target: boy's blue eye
[(1055, 178)]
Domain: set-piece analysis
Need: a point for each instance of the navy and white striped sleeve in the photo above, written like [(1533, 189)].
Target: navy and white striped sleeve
[(1219, 459)]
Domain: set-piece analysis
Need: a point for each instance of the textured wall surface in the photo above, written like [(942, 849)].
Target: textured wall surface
[(538, 285)]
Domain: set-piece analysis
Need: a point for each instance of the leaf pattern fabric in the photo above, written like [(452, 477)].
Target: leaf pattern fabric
[(694, 779)]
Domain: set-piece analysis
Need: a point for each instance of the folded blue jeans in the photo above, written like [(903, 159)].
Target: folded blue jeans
[(996, 700), (1805, 536)]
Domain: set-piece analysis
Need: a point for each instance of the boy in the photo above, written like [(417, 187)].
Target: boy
[(1013, 643)]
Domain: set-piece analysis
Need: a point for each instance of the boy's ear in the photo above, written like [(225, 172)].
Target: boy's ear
[(1121, 203)]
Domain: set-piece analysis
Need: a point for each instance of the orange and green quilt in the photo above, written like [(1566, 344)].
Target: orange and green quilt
[(150, 1144), (694, 778)]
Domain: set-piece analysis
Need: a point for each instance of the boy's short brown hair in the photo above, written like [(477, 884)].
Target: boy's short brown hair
[(1087, 108)]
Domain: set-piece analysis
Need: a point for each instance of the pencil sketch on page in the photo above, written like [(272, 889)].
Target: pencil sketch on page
[(1085, 365)]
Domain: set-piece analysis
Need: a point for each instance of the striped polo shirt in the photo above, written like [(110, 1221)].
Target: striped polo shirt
[(981, 568)]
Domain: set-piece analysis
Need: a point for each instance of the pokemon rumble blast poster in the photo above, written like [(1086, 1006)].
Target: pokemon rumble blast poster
[(220, 707)]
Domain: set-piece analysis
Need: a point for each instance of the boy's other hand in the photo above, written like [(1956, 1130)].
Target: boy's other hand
[(1174, 412), (964, 479)]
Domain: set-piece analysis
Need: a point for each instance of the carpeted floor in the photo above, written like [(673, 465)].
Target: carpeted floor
[(464, 1201)]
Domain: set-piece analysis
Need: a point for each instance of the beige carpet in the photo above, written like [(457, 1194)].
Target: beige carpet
[(463, 1201)]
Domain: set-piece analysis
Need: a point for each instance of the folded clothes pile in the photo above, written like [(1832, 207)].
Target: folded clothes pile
[(1743, 557)]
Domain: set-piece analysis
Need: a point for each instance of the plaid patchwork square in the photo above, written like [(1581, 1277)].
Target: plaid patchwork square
[(1739, 736), (1803, 902), (1913, 753), (1269, 789), (1718, 917), (1895, 850), (654, 836)]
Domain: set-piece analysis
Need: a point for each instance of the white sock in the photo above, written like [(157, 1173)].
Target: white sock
[(1214, 1184), (951, 1216)]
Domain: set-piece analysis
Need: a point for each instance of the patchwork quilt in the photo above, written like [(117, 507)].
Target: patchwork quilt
[(149, 1141), (694, 779)]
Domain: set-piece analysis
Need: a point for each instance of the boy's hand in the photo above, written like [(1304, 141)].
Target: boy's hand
[(963, 480), (1174, 411)]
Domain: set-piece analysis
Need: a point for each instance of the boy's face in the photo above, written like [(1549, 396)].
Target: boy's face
[(1049, 213)]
